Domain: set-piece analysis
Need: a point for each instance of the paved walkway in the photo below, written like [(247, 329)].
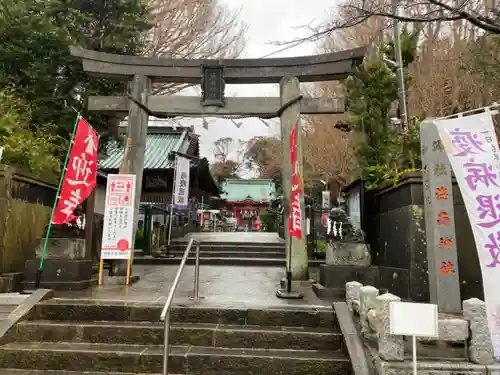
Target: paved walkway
[(229, 286)]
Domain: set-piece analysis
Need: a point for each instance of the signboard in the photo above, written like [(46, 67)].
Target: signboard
[(118, 228), (413, 319), (325, 199), (472, 148), (181, 187)]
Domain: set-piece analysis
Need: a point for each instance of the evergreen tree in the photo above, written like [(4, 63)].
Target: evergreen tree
[(36, 66)]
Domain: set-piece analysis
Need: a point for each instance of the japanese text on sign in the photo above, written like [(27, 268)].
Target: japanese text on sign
[(472, 148), (295, 219), (80, 175), (118, 217), (181, 187)]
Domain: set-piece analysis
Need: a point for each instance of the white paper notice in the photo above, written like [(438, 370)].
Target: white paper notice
[(118, 228)]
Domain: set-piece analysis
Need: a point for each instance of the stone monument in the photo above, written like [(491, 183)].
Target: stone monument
[(345, 245), (68, 263), (347, 257)]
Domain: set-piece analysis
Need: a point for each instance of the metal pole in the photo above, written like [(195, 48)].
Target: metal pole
[(202, 213), (197, 272), (38, 276), (166, 348), (172, 203), (399, 67)]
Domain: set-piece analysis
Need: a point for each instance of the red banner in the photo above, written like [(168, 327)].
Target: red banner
[(295, 215), (81, 172)]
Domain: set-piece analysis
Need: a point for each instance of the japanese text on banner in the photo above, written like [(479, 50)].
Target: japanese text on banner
[(118, 228), (181, 188), (81, 172), (295, 216), (472, 148)]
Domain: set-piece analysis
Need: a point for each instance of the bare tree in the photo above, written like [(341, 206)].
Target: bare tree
[(185, 29), (328, 152), (481, 14)]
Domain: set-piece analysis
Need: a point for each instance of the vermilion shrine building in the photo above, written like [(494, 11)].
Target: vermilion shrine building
[(245, 200)]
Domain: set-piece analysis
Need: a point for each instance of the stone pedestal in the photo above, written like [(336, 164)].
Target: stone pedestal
[(347, 254), (67, 266), (345, 261)]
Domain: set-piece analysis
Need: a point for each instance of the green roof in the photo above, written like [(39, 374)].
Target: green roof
[(159, 143), (259, 190)]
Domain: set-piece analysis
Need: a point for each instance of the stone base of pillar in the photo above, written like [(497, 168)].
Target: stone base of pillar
[(67, 266), (61, 274), (119, 268), (332, 279)]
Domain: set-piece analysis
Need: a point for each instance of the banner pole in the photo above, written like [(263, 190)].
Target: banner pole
[(38, 276)]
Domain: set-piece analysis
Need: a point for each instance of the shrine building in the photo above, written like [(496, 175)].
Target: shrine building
[(245, 199), (162, 143)]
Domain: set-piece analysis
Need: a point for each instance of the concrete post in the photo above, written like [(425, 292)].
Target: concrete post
[(133, 162), (289, 90)]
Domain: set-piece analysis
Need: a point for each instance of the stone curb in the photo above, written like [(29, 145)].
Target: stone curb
[(352, 341), (23, 309)]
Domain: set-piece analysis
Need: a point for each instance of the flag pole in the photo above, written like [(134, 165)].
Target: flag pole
[(38, 276)]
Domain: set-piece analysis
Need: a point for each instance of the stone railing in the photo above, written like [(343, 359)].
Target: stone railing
[(374, 317)]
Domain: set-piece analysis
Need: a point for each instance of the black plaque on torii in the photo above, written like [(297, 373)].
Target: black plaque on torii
[(212, 86)]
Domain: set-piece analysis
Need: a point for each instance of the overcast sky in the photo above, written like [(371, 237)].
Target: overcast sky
[(268, 20)]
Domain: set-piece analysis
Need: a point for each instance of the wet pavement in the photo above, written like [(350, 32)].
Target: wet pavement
[(236, 237), (220, 285)]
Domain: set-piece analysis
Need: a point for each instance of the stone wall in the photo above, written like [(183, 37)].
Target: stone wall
[(396, 234), (372, 308)]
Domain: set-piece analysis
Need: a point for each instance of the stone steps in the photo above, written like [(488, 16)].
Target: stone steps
[(72, 337), (241, 245), (229, 261), (182, 359), (10, 371), (234, 254), (201, 334)]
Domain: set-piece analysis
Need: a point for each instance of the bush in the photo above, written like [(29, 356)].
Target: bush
[(23, 147)]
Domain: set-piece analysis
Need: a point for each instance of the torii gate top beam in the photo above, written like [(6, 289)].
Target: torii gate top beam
[(326, 67)]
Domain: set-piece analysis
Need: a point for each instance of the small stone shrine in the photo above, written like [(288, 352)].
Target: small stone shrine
[(68, 263), (347, 256)]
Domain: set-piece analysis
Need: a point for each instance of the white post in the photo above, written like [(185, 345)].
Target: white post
[(414, 349)]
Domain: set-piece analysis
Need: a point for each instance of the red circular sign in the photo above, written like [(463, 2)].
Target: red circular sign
[(122, 245)]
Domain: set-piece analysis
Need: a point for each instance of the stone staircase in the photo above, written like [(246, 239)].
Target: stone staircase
[(224, 253), (8, 302), (69, 337)]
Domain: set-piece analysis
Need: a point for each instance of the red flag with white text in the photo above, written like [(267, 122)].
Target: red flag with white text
[(79, 179), (295, 213)]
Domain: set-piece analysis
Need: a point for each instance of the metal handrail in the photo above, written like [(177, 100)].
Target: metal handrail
[(165, 314)]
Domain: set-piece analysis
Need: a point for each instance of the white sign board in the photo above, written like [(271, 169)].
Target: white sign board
[(472, 148), (181, 187), (118, 228), (413, 319)]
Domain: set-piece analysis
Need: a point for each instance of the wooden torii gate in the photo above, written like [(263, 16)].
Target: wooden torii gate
[(213, 74)]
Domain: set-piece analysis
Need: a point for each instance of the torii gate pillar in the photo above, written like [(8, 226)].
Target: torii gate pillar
[(133, 159), (290, 90)]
